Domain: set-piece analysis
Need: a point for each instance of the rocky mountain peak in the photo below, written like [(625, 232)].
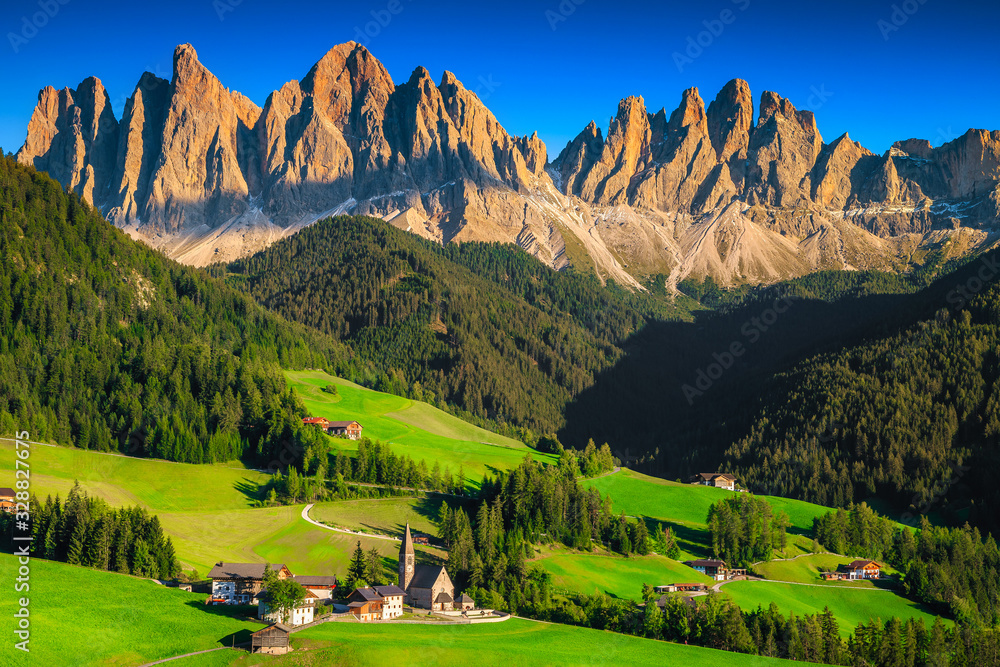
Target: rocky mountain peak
[(690, 112), (202, 172), (730, 120)]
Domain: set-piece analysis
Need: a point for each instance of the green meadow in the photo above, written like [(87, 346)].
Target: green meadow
[(850, 606), (641, 495), (205, 512), (685, 508), (152, 483), (807, 570), (274, 534), (81, 616), (514, 642), (617, 576), (385, 516), (416, 429)]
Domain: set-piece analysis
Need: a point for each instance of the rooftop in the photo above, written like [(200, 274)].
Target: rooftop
[(242, 570)]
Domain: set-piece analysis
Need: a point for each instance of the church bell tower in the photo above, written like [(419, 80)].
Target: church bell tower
[(406, 562)]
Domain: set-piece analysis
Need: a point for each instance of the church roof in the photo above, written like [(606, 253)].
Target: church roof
[(407, 546), (424, 576), (443, 597)]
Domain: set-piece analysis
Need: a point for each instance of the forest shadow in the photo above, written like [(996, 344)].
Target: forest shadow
[(691, 540), (685, 391)]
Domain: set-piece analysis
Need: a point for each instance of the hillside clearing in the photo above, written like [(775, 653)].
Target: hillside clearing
[(415, 429)]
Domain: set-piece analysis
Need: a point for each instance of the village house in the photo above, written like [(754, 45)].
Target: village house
[(319, 588), (863, 569), (7, 499), (316, 421), (366, 604), (426, 586), (240, 583), (392, 601), (716, 479), (352, 430), (376, 603), (272, 640), (301, 614), (676, 588), (709, 567)]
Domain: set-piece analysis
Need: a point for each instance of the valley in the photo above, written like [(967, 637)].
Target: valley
[(391, 362)]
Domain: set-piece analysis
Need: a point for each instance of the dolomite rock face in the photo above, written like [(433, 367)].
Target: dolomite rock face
[(73, 135), (206, 175)]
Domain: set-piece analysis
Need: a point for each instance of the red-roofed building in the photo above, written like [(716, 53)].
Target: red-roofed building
[(864, 569)]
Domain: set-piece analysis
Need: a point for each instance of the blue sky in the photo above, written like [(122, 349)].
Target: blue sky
[(882, 70)]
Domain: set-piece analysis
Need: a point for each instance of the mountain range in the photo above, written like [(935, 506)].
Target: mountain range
[(738, 193)]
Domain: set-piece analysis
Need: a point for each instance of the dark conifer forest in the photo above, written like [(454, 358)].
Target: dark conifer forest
[(844, 386)]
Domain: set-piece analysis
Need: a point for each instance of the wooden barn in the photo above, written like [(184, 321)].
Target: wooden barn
[(272, 640)]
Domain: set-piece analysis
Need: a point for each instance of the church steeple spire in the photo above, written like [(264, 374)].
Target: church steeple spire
[(406, 561)]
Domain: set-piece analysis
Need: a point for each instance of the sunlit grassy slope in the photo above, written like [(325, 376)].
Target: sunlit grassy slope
[(513, 643), (81, 616), (417, 429)]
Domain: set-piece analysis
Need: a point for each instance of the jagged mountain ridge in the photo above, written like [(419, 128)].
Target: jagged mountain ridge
[(203, 173)]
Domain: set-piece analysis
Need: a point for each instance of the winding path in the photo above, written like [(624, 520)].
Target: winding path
[(305, 515), (185, 655)]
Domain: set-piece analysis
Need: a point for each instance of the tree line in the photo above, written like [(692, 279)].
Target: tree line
[(107, 345), (87, 531), (744, 529), (956, 571)]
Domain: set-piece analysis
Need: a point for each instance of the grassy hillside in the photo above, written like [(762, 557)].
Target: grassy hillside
[(386, 516), (615, 575), (205, 509), (87, 617), (849, 605), (641, 495), (806, 570), (416, 429), (155, 484), (513, 642), (685, 508)]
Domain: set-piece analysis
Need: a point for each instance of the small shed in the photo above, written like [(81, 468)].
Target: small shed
[(464, 603), (272, 640)]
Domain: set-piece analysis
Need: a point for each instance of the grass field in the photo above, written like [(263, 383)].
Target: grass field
[(387, 516), (641, 495), (849, 605), (807, 568), (615, 575), (514, 642), (417, 429), (685, 507), (122, 480), (276, 534), (85, 617)]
